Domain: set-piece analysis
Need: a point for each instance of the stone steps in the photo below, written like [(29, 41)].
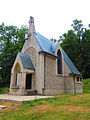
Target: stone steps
[(31, 92)]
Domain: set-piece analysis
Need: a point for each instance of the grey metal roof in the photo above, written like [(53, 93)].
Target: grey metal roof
[(46, 45), (49, 47), (26, 61), (70, 64)]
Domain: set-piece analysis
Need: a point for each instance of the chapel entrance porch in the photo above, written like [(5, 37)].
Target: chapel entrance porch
[(29, 83)]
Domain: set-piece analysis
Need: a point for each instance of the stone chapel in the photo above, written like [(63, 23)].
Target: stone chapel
[(43, 67)]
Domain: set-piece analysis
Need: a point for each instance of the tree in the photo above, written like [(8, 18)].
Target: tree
[(70, 45), (11, 42), (85, 54), (76, 43), (54, 40)]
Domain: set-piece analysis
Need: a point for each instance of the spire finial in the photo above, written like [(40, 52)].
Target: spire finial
[(31, 26)]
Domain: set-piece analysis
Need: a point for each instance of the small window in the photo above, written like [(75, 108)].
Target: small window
[(77, 79), (59, 62)]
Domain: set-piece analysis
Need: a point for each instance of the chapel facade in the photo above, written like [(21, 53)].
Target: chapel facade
[(43, 67)]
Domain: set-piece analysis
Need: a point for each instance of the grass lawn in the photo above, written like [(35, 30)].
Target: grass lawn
[(86, 86), (4, 90), (61, 107)]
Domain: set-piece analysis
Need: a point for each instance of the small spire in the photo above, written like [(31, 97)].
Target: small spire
[(31, 26)]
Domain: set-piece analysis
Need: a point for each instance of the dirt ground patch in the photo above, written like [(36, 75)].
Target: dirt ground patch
[(78, 97), (45, 108), (9, 105), (77, 109)]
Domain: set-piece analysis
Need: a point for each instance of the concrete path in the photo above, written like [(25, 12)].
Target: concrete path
[(1, 106), (12, 98)]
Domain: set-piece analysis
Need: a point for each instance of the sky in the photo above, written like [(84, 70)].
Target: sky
[(52, 17)]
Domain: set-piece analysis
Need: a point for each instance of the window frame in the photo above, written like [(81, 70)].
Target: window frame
[(59, 62)]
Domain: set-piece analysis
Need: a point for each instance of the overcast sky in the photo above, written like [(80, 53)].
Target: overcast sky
[(52, 17)]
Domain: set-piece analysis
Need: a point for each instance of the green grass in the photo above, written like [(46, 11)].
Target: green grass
[(86, 85), (4, 90), (61, 107)]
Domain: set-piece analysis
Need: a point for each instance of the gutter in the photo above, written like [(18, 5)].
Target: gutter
[(44, 71)]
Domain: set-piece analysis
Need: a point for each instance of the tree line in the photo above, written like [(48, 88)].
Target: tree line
[(76, 43)]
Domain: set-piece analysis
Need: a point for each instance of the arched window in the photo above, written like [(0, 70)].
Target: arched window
[(59, 62), (16, 74)]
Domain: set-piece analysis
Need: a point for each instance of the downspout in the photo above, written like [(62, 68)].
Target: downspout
[(74, 85), (44, 71)]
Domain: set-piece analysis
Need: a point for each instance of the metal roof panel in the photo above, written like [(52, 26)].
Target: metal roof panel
[(26, 61)]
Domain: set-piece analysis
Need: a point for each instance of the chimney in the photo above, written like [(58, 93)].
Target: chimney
[(31, 26)]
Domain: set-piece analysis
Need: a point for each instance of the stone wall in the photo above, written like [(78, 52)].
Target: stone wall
[(40, 84), (54, 82), (32, 52), (72, 86), (68, 85), (32, 48), (66, 69), (79, 88)]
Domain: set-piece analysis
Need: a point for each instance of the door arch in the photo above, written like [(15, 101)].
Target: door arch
[(17, 71)]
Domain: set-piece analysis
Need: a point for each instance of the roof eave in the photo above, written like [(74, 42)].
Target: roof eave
[(48, 53), (29, 68), (74, 74)]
